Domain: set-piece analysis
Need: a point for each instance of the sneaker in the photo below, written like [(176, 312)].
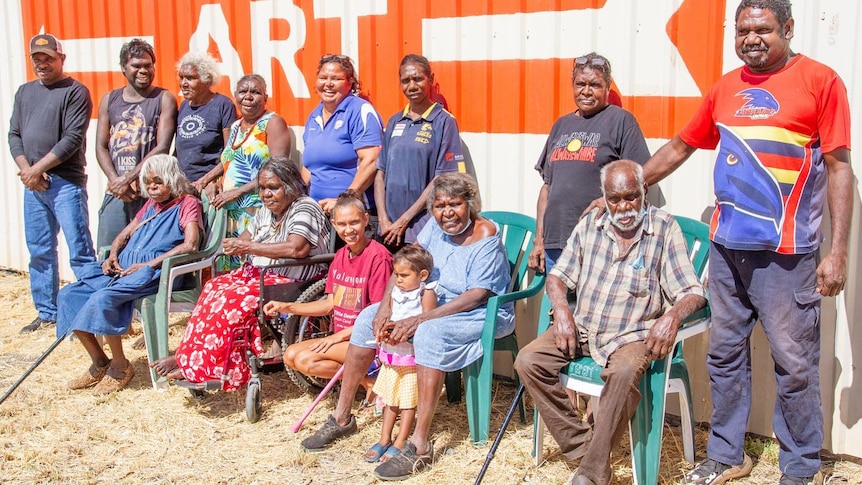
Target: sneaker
[(36, 324), (817, 479), (405, 464), (328, 433), (711, 472)]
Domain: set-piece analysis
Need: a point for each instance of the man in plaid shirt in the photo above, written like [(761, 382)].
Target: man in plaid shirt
[(635, 285)]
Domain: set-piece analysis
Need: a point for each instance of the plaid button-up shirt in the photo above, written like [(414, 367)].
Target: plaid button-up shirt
[(620, 295)]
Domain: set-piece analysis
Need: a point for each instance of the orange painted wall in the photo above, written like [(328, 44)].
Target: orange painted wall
[(498, 96)]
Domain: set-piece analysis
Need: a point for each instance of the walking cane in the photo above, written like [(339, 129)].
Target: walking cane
[(43, 356), (323, 393), (32, 368), (518, 395)]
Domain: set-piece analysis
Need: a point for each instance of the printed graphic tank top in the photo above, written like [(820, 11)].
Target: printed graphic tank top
[(133, 128)]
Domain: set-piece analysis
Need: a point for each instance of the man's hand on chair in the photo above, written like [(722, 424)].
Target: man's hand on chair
[(565, 332), (661, 336)]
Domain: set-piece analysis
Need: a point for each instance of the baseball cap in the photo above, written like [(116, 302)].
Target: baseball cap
[(46, 43)]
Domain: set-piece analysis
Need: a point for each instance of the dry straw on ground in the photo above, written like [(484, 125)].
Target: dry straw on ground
[(49, 434)]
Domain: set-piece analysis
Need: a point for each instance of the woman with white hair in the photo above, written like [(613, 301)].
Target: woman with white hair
[(101, 301), (204, 119)]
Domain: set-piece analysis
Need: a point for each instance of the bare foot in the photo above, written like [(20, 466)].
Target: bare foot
[(167, 367), (140, 343)]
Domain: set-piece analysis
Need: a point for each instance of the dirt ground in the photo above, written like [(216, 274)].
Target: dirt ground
[(49, 434)]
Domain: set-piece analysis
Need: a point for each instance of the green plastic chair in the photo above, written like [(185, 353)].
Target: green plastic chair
[(668, 375), (517, 235), (154, 309)]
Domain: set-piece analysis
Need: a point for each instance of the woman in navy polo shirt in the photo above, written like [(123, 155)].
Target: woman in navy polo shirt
[(421, 142), (342, 136)]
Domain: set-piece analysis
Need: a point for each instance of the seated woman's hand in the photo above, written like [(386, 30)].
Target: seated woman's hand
[(111, 265), (323, 344), (381, 322), (275, 308), (402, 330), (235, 246), (131, 269)]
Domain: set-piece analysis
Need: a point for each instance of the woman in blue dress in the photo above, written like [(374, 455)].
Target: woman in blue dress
[(470, 267), (101, 301)]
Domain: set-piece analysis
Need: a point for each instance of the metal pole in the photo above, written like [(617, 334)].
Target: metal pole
[(32, 368), (518, 395)]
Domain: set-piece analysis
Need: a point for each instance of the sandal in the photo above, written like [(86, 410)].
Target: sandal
[(392, 451), (115, 380), (377, 451), (90, 378), (366, 407)]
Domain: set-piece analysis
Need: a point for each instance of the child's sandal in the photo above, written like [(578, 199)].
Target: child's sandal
[(389, 453), (374, 453)]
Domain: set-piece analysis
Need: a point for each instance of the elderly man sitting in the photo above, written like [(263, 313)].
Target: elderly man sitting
[(634, 285)]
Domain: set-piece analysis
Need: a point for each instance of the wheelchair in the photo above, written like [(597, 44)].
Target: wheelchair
[(283, 329)]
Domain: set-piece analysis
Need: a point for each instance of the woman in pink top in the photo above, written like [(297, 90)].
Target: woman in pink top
[(357, 278)]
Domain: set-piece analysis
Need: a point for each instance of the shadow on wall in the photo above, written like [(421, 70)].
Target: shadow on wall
[(295, 154), (850, 409)]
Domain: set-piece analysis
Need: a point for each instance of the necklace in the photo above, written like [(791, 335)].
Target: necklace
[(245, 134)]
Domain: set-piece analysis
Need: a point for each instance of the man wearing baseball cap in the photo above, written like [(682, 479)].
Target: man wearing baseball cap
[(47, 138)]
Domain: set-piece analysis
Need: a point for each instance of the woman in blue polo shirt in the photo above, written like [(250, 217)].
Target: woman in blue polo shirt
[(421, 142), (342, 136)]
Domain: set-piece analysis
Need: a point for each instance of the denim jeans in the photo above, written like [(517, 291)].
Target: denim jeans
[(62, 206), (551, 257), (778, 289), (114, 216)]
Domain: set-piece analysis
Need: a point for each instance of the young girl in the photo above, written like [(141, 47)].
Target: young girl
[(396, 383)]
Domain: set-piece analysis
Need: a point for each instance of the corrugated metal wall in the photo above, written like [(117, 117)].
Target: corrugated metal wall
[(504, 67)]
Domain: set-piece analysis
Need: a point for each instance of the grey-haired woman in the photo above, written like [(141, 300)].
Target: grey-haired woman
[(100, 302)]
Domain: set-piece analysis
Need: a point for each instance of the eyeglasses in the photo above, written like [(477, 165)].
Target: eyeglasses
[(595, 61)]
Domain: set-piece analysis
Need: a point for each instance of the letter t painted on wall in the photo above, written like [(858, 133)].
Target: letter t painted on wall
[(264, 49)]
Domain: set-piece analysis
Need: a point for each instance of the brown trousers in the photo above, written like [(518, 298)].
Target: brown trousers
[(538, 367)]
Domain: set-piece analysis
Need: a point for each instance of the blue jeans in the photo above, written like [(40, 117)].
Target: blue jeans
[(779, 289), (551, 257), (62, 206)]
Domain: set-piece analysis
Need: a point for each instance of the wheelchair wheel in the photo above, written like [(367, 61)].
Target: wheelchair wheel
[(252, 401), (301, 327)]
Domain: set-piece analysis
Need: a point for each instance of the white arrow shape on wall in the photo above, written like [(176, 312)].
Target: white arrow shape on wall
[(630, 34)]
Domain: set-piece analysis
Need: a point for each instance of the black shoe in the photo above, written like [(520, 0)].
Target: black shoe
[(711, 472), (328, 433), (36, 324), (405, 464), (817, 479)]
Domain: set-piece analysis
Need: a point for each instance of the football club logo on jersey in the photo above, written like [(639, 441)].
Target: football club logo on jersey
[(759, 104)]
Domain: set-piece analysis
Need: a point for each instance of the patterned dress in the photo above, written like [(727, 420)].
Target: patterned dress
[(242, 157), (229, 302)]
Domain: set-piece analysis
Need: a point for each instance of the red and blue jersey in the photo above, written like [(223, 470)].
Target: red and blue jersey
[(772, 131)]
